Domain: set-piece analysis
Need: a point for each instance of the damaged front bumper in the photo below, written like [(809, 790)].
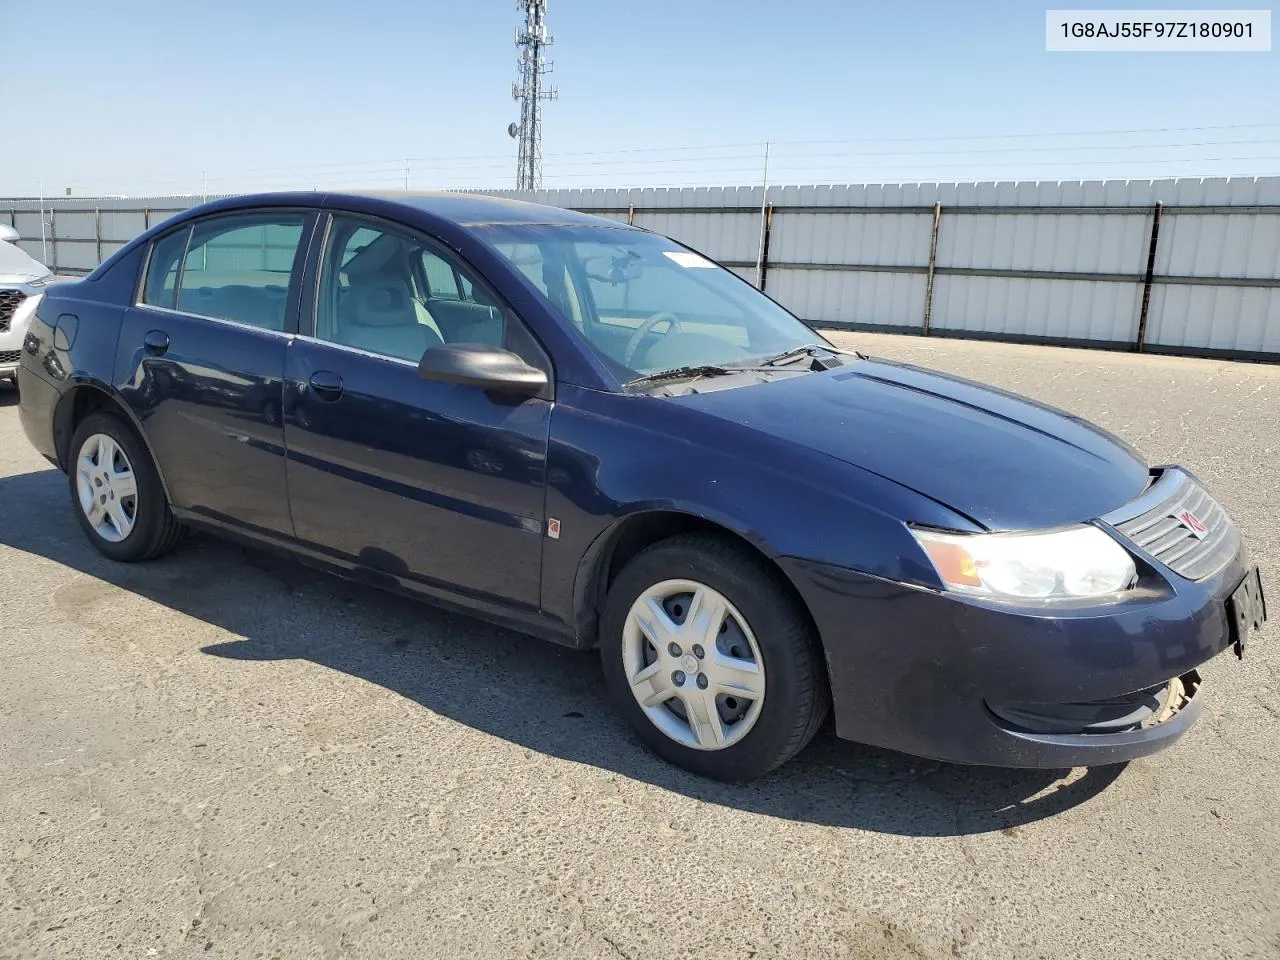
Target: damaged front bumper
[(937, 675), (1146, 720)]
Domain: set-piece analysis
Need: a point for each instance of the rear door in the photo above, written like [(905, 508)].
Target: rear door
[(201, 361), (439, 485)]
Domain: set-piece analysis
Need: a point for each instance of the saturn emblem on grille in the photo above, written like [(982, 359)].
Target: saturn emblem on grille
[(1192, 523)]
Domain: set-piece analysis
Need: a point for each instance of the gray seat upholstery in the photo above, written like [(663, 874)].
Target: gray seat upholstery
[(379, 316), (255, 306), (463, 322)]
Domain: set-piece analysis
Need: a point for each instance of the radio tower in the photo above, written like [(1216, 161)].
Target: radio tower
[(531, 90)]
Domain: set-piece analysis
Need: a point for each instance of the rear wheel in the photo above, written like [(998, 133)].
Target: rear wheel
[(116, 492), (711, 659)]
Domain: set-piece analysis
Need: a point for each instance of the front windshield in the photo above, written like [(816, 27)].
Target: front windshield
[(644, 303)]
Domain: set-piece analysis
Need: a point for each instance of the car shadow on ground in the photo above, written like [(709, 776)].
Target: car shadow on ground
[(525, 691), (8, 394)]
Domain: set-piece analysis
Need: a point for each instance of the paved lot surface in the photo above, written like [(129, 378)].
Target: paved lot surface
[(225, 755)]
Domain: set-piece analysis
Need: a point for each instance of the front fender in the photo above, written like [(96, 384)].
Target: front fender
[(598, 553), (613, 457)]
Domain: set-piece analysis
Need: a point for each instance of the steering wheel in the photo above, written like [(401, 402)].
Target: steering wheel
[(648, 324)]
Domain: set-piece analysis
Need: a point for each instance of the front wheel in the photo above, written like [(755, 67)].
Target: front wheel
[(116, 491), (711, 659)]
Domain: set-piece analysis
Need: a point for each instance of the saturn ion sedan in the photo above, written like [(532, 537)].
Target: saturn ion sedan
[(593, 434)]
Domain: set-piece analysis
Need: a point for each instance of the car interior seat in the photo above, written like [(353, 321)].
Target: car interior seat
[(464, 322), (378, 315), (379, 312), (254, 306)]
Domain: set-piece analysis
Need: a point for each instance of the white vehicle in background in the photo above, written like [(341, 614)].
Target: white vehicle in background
[(22, 284)]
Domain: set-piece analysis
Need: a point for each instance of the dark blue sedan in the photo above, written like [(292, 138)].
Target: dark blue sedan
[(594, 434)]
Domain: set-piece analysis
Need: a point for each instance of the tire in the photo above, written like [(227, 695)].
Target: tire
[(794, 696), (153, 530)]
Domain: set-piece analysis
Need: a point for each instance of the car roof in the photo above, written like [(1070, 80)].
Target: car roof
[(461, 210), (472, 209)]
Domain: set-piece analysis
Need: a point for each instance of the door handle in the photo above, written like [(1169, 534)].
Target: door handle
[(326, 384), (156, 341)]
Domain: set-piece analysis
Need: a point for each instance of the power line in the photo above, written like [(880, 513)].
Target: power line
[(985, 136), (625, 162), (314, 172), (982, 165), (1053, 149), (758, 145)]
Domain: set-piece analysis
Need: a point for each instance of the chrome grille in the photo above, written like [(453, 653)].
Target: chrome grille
[(9, 300), (9, 356), (1151, 523)]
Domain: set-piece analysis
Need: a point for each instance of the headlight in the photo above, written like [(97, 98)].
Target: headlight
[(26, 310), (42, 281), (1064, 564)]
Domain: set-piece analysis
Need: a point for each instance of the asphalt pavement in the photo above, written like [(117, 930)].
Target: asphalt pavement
[(224, 754)]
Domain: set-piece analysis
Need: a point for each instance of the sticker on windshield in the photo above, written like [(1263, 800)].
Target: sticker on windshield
[(688, 259)]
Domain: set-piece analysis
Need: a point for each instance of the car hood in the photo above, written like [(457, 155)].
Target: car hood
[(17, 267), (1004, 461)]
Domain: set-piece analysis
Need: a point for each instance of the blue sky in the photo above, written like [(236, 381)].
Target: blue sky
[(142, 96)]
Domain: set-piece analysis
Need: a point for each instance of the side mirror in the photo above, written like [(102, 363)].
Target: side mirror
[(8, 234), (477, 365)]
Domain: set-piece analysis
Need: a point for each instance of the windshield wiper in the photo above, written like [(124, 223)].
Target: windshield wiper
[(794, 352), (769, 365), (699, 370)]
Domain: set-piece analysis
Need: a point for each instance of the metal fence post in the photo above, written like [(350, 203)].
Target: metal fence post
[(97, 232), (764, 212), (933, 260), (764, 245), (146, 218), (1140, 343), (631, 215), (53, 239)]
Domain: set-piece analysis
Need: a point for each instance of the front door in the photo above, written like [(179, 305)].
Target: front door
[(201, 361), (438, 485)]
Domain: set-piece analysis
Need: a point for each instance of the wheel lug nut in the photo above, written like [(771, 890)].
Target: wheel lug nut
[(698, 651), (678, 678), (673, 648), (702, 681)]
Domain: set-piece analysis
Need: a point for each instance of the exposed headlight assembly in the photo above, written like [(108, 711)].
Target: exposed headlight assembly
[(1070, 563), (26, 310)]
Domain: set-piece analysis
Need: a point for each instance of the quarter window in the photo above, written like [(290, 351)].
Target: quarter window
[(238, 268), (162, 271)]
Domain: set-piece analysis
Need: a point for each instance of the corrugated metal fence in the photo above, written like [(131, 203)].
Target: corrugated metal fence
[(1186, 266), (78, 234)]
